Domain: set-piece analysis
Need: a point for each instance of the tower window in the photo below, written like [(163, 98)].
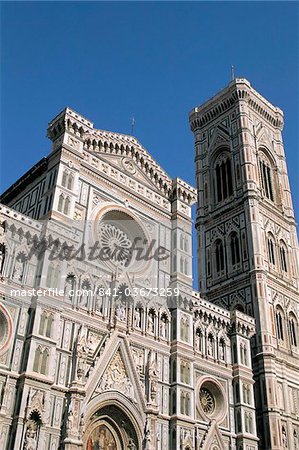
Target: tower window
[(283, 257), (223, 179), (266, 178), (279, 325), (293, 330), (219, 256), (235, 249), (271, 250)]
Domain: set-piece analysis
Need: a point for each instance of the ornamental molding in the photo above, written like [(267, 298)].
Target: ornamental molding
[(116, 371), (100, 143), (237, 92)]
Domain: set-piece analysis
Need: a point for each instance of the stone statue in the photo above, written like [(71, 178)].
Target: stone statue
[(151, 323), (18, 270), (137, 318), (152, 377), (2, 257), (30, 438), (120, 312), (82, 352)]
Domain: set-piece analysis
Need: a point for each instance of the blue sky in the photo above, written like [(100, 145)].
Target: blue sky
[(153, 60)]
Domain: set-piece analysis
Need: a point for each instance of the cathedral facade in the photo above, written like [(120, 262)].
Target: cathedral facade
[(104, 344)]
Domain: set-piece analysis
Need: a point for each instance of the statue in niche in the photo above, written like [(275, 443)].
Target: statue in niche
[(120, 312), (18, 270), (151, 322), (152, 377), (81, 352), (137, 318), (31, 435), (2, 257)]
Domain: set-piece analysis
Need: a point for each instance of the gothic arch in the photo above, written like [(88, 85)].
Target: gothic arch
[(101, 403)]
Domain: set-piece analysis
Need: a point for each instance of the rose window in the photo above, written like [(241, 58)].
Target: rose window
[(207, 401), (115, 244)]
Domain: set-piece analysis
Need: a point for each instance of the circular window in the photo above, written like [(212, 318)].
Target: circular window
[(123, 241), (211, 399), (207, 401), (5, 328)]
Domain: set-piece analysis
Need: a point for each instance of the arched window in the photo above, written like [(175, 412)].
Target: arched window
[(283, 256), (67, 179), (70, 181), (208, 262), (279, 324), (271, 249), (223, 178), (219, 256), (64, 204), (60, 202), (293, 329), (188, 405), (185, 372), (182, 402), (45, 325), (52, 276), (234, 249), (266, 178), (44, 362), (41, 360), (37, 359)]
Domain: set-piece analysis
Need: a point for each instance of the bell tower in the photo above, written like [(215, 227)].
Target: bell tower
[(247, 243)]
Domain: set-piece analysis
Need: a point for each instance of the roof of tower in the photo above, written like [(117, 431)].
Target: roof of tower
[(237, 90)]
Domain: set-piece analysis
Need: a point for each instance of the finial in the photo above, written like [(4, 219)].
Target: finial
[(233, 72), (133, 121)]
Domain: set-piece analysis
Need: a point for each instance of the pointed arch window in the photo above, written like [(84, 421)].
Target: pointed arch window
[(293, 330), (67, 179), (234, 249), (219, 255), (45, 325), (266, 179), (64, 203), (271, 249), (223, 178), (279, 324), (41, 360), (283, 256)]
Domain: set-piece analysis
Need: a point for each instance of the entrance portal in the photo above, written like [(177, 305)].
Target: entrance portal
[(110, 429)]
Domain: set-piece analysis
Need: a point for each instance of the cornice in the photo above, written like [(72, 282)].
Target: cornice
[(236, 91)]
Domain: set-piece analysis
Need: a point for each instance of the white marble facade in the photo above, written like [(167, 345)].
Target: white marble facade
[(120, 353)]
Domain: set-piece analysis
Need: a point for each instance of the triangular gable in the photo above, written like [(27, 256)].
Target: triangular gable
[(219, 137), (115, 371), (263, 137), (129, 168), (108, 143), (213, 439)]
